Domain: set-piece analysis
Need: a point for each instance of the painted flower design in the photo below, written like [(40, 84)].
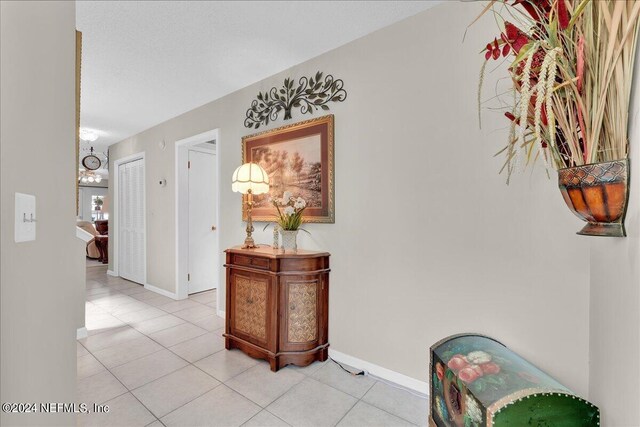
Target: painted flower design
[(441, 407), (437, 383), (440, 371), (490, 368), (470, 373), (473, 410), (457, 362), (478, 357)]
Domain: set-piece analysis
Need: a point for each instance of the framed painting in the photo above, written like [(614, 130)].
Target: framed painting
[(299, 158)]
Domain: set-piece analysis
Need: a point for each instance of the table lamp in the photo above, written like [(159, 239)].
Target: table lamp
[(250, 179)]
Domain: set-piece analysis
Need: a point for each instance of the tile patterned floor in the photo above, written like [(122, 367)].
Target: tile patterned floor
[(156, 361)]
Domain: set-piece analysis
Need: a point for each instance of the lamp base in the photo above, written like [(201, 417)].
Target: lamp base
[(249, 243)]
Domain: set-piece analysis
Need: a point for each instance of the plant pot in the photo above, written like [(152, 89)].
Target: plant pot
[(597, 193), (289, 239)]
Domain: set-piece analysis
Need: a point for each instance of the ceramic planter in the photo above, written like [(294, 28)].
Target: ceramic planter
[(597, 193), (289, 239)]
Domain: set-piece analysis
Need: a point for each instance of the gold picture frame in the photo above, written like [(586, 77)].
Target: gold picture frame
[(298, 158)]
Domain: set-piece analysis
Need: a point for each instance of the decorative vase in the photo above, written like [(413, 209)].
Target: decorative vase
[(276, 236), (289, 239), (597, 193)]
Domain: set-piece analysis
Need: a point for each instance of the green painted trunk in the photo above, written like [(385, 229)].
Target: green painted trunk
[(555, 410), (476, 381)]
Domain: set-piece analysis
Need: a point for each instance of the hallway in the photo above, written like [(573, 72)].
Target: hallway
[(155, 361)]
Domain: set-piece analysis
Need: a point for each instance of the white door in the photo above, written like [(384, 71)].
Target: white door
[(131, 221), (202, 221)]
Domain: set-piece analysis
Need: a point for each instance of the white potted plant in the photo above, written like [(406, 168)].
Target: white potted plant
[(289, 218)]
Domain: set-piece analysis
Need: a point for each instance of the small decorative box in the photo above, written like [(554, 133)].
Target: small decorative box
[(477, 381)]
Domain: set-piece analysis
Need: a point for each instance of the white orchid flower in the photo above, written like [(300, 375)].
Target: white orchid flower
[(289, 210)]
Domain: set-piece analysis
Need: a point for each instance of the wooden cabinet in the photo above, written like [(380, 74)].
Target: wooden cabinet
[(278, 305)]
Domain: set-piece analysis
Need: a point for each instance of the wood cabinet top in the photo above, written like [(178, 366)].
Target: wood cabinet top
[(268, 252)]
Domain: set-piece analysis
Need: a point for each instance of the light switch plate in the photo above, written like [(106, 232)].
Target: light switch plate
[(25, 228)]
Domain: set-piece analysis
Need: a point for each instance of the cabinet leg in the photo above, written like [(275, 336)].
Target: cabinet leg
[(273, 364), (324, 354)]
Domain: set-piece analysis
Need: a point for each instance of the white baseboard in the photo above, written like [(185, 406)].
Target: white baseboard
[(81, 333), (380, 372), (222, 313), (111, 273), (162, 292)]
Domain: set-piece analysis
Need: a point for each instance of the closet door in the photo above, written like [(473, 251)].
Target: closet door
[(131, 221)]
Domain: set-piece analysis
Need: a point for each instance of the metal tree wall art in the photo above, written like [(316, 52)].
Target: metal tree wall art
[(312, 93)]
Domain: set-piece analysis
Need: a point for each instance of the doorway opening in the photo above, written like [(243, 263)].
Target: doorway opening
[(197, 213)]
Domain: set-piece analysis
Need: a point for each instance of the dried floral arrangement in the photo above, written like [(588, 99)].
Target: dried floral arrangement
[(572, 70)]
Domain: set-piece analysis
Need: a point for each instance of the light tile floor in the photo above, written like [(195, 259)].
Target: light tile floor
[(158, 362)]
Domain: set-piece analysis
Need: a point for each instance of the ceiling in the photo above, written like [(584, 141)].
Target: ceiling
[(144, 62)]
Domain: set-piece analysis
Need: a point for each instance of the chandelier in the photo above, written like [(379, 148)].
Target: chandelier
[(86, 176), (88, 135)]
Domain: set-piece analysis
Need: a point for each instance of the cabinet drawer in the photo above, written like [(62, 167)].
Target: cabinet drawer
[(255, 262)]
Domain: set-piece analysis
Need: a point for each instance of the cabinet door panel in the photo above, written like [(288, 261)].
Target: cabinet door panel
[(250, 299), (301, 313), (303, 310)]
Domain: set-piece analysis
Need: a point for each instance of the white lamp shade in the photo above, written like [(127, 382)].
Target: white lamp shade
[(250, 176)]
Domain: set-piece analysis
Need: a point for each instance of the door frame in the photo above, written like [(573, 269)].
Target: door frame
[(115, 224), (182, 148)]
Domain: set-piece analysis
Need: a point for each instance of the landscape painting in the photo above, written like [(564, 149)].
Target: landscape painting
[(298, 159)]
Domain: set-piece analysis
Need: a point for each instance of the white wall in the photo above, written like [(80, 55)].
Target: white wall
[(615, 303), (42, 282), (428, 240)]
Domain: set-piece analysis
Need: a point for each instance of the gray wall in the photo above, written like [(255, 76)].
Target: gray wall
[(428, 239), (42, 282), (615, 303)]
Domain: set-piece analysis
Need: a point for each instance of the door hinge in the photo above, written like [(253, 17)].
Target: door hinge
[(188, 277), (189, 164)]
